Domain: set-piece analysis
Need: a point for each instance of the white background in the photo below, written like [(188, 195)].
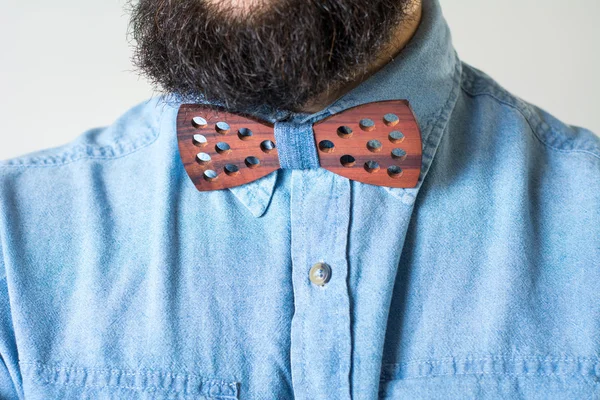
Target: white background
[(65, 64)]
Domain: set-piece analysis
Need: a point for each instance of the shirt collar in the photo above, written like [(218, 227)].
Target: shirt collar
[(426, 73)]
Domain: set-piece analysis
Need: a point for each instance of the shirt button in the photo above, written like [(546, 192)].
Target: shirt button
[(320, 273)]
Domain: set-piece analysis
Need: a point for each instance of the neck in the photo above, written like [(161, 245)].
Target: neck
[(400, 38)]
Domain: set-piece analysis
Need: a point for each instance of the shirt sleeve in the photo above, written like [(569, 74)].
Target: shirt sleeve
[(10, 375)]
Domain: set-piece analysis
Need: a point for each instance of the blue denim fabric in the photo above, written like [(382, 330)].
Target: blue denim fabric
[(121, 281)]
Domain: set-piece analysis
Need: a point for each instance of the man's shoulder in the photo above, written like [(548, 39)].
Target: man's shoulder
[(136, 128), (526, 162), (554, 135)]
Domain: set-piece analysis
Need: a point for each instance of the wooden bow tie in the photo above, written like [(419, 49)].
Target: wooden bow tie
[(376, 143)]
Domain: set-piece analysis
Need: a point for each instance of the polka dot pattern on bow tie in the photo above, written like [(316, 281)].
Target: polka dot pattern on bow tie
[(375, 143), (380, 140), (221, 150)]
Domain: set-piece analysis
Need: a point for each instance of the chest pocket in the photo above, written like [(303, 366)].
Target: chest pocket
[(45, 381)]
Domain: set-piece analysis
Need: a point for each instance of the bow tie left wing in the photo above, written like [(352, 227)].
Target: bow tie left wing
[(220, 150)]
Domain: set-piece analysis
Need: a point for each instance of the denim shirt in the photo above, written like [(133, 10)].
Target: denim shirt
[(120, 280)]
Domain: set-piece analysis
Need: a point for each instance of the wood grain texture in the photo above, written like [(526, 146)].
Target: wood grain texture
[(363, 134), (240, 148), (356, 143)]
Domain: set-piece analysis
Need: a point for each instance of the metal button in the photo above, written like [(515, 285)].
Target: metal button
[(199, 122), (320, 273), (200, 140)]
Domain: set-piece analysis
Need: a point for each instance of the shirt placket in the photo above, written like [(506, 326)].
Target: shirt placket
[(320, 329), (320, 353)]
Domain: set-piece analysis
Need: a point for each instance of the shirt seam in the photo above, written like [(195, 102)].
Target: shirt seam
[(70, 156), (509, 100), (486, 365), (436, 125), (44, 372)]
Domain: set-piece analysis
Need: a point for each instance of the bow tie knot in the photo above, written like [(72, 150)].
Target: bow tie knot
[(296, 145), (376, 143)]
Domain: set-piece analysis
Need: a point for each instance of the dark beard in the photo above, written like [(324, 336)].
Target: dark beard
[(280, 56)]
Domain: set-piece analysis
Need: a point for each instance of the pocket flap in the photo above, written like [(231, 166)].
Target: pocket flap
[(67, 382)]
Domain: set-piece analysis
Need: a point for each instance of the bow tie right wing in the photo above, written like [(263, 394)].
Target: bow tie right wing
[(377, 143)]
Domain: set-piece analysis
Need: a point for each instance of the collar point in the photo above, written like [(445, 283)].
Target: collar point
[(256, 195)]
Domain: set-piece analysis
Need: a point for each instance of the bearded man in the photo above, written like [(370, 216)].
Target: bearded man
[(324, 202)]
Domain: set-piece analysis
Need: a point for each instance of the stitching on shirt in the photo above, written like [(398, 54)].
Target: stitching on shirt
[(304, 226), (428, 127), (441, 119), (394, 371), (437, 123), (492, 357), (185, 376), (337, 245), (139, 388), (473, 80), (75, 152), (513, 374), (123, 371)]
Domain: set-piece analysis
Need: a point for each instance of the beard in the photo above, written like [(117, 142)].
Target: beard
[(280, 54)]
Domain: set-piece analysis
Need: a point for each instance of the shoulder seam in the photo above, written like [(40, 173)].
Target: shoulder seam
[(77, 152), (500, 95)]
